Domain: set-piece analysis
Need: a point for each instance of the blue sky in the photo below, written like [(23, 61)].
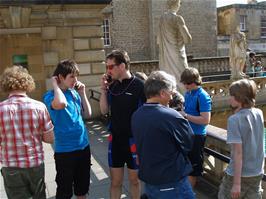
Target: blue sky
[(228, 2)]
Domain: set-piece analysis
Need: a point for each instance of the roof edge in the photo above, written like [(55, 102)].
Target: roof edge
[(243, 6), (19, 2)]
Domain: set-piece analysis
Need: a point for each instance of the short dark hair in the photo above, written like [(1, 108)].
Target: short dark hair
[(191, 75), (244, 91), (66, 67), (177, 102), (119, 56)]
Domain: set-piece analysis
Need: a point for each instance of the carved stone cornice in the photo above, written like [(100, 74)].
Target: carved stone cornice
[(16, 16)]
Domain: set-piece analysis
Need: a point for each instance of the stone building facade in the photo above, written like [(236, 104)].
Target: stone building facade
[(251, 18), (134, 23), (38, 34)]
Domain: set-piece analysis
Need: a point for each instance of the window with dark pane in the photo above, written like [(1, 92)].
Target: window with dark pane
[(21, 60)]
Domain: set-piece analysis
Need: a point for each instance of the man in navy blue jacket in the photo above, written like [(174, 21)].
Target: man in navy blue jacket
[(163, 138)]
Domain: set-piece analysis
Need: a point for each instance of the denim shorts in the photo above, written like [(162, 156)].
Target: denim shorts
[(180, 189)]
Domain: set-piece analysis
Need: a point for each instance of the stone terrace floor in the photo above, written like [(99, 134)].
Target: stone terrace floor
[(100, 180)]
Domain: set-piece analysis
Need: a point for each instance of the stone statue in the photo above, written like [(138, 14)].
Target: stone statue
[(237, 54), (172, 36)]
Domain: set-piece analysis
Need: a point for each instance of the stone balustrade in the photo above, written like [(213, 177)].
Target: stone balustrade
[(144, 66), (206, 65), (209, 66), (219, 91)]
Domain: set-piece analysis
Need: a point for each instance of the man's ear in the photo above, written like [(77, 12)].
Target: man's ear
[(122, 66), (162, 93)]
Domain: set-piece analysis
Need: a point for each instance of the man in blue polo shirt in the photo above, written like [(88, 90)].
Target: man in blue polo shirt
[(163, 139), (198, 113)]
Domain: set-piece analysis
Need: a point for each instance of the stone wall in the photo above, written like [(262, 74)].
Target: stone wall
[(130, 28), (50, 33), (31, 45), (229, 18), (201, 19), (135, 22)]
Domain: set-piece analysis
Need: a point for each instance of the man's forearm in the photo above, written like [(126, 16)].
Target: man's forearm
[(48, 137), (238, 163), (201, 119)]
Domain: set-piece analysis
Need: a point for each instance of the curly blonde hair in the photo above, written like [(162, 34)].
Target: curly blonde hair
[(17, 78)]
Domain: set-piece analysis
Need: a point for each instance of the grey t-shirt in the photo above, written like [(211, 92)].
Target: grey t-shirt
[(246, 127)]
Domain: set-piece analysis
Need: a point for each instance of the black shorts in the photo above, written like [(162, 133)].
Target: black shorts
[(119, 155), (72, 171), (196, 155)]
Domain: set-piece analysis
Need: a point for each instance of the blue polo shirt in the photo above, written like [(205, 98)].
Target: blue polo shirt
[(69, 129), (163, 138), (197, 101)]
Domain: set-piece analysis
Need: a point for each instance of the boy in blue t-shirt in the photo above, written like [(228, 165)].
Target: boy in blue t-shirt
[(198, 112), (67, 103)]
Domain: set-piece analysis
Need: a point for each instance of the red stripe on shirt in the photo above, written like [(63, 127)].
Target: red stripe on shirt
[(24, 138)]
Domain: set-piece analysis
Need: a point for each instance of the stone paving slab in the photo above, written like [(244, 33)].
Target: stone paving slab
[(100, 181)]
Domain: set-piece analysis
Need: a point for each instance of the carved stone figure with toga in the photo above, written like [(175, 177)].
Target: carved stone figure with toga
[(237, 54), (172, 36)]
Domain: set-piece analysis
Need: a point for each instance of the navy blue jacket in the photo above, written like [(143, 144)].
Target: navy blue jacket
[(163, 138)]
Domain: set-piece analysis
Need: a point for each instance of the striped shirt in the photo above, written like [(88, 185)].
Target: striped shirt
[(23, 121)]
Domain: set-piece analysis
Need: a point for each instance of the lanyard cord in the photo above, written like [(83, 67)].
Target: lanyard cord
[(123, 91)]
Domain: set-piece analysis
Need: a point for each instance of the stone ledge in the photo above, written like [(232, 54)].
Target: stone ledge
[(20, 31), (89, 56), (87, 31), (48, 33)]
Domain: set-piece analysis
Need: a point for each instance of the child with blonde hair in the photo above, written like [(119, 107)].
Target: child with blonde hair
[(245, 134)]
